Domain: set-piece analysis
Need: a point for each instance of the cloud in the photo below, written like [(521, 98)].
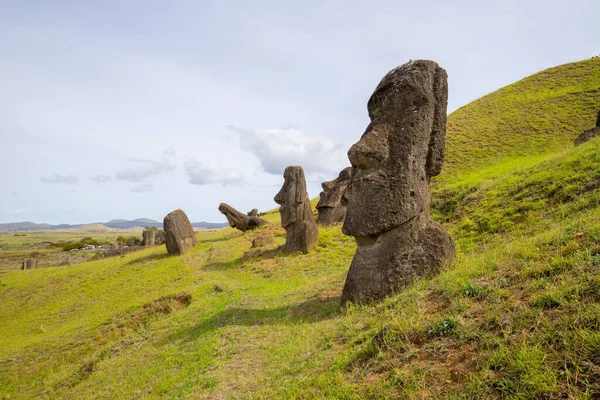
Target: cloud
[(143, 188), (145, 169), (278, 148), (200, 174), (61, 179), (100, 179)]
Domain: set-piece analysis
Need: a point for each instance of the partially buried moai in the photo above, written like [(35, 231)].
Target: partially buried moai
[(239, 220), (148, 237), (179, 233), (388, 195), (296, 215), (332, 204)]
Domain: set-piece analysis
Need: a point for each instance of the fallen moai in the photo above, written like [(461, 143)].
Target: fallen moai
[(296, 215), (29, 263), (179, 234), (388, 194), (240, 220), (332, 204), (253, 212), (590, 133)]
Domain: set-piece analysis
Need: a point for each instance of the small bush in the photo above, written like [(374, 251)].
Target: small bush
[(444, 327)]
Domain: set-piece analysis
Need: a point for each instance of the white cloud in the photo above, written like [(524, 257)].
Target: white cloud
[(61, 179), (278, 148), (100, 179), (145, 169), (143, 188), (200, 174)]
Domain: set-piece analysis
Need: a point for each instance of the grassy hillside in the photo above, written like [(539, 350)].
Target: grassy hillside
[(539, 114), (517, 315)]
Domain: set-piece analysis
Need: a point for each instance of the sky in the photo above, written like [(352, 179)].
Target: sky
[(131, 109)]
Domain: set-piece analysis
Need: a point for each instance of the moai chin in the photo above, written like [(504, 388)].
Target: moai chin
[(388, 194), (296, 215), (332, 204)]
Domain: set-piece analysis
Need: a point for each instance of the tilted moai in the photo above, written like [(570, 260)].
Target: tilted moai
[(332, 204), (179, 234), (296, 215), (240, 220), (388, 195), (590, 133), (148, 237), (29, 263)]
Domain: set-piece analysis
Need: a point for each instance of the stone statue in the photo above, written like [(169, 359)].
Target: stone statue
[(253, 212), (296, 215), (332, 204), (590, 133), (29, 263), (239, 220), (388, 194), (148, 237), (179, 233)]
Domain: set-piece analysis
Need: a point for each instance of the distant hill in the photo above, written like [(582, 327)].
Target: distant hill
[(122, 224)]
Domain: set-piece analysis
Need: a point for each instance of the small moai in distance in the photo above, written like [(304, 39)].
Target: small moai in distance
[(388, 195), (179, 233), (253, 212), (240, 220), (296, 214), (148, 237), (590, 133), (29, 263), (332, 204)]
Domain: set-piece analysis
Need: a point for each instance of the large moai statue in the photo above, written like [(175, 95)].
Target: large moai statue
[(240, 220), (296, 215), (388, 195), (179, 234), (332, 204), (148, 237), (29, 263), (590, 133)]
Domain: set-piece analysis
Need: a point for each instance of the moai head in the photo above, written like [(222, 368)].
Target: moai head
[(401, 149), (293, 198), (332, 204)]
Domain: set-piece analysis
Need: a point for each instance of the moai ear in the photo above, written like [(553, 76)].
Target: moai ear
[(300, 185), (435, 155)]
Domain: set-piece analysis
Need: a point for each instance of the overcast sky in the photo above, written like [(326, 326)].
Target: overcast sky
[(128, 109)]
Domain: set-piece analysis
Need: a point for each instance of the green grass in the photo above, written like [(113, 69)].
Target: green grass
[(516, 316)]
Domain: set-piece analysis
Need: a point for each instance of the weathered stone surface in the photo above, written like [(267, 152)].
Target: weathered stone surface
[(239, 220), (262, 240), (332, 204), (388, 194), (29, 263), (587, 135), (253, 212), (148, 237), (296, 215), (590, 133), (179, 234)]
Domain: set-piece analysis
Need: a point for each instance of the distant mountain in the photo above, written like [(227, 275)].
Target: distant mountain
[(113, 224)]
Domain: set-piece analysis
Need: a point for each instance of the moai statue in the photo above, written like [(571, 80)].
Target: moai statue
[(332, 204), (253, 212), (239, 220), (296, 215), (148, 237), (29, 263), (388, 195), (179, 233), (590, 133)]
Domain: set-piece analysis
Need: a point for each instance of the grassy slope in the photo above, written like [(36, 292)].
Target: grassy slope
[(517, 315)]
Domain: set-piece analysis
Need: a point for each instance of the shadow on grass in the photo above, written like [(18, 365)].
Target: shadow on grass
[(308, 311), (248, 256), (151, 257)]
